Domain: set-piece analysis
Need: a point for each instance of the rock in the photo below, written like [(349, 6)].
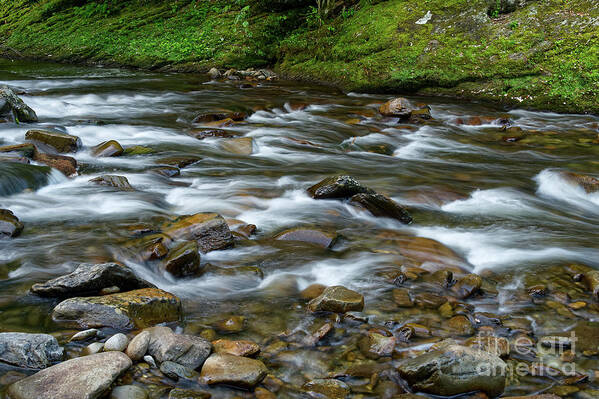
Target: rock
[(26, 150), (177, 371), (183, 260), (90, 279), (382, 206), (232, 370), (337, 299), (432, 254), (17, 177), (219, 116), (230, 325), (398, 107), (109, 148), (178, 161), (420, 115), (214, 73), (467, 286), (83, 335), (118, 342), (236, 348), (126, 310), (179, 393), (65, 164), (327, 388), (138, 347), (92, 349), (119, 182), (497, 346), (238, 146), (210, 231), (150, 360), (588, 183), (401, 296), (13, 157), (202, 134), (590, 278), (13, 108), (138, 150), (166, 171), (460, 325), (337, 187), (87, 377), (187, 350), (128, 392), (61, 142), (377, 343), (10, 226), (454, 370), (262, 393), (34, 351), (321, 238), (312, 291)]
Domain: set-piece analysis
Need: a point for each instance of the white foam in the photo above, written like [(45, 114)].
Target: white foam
[(552, 185), (496, 202)]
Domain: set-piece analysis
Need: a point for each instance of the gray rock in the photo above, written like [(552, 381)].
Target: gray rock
[(118, 182), (214, 73), (83, 335), (14, 108), (210, 230), (90, 279), (337, 299), (325, 239), (10, 226), (87, 377), (382, 206), (150, 360), (118, 342), (455, 369), (337, 187), (35, 351), (138, 346), (177, 371), (128, 392), (238, 371), (187, 350)]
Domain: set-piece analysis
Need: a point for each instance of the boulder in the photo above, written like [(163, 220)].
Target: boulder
[(118, 342), (183, 260), (13, 108), (587, 183), (327, 388), (337, 299), (236, 348), (398, 107), (88, 377), (214, 73), (453, 370), (59, 141), (187, 350), (65, 164), (317, 237), (138, 347), (34, 351), (90, 279), (238, 371), (10, 226), (337, 187), (209, 230), (238, 146), (118, 182), (109, 148), (126, 311), (382, 206)]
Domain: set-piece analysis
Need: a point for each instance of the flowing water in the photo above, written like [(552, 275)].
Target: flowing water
[(501, 206)]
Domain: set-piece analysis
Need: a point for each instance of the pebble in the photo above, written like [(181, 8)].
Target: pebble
[(150, 360), (83, 335), (118, 343)]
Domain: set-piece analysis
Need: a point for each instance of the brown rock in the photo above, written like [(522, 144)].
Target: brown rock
[(236, 348), (467, 286), (238, 146), (183, 260), (401, 297), (232, 370), (65, 164), (337, 299), (321, 238), (107, 149), (312, 291), (10, 226), (398, 107), (327, 388), (210, 231), (61, 142)]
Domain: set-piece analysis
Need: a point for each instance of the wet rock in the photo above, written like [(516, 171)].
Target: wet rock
[(59, 141), (16, 177), (398, 108), (377, 343), (219, 116), (13, 157), (236, 348), (312, 291), (590, 279), (420, 115), (230, 325), (166, 171), (150, 360), (202, 134), (83, 335), (109, 148), (262, 393), (401, 297), (126, 311), (87, 377), (92, 349), (138, 347), (65, 164), (497, 346), (467, 286), (337, 299), (328, 388), (238, 371), (432, 254), (183, 260), (337, 187), (382, 206), (247, 272), (214, 73), (35, 351), (238, 146), (90, 279), (460, 325), (178, 161), (118, 342), (588, 183), (187, 350), (128, 392), (556, 342), (455, 370), (179, 393), (429, 300), (318, 237), (177, 371), (26, 150), (13, 108), (210, 231), (119, 182), (10, 226), (138, 150)]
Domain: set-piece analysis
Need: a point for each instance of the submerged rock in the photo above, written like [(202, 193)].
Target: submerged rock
[(382, 206), (125, 311), (377, 343), (236, 348), (337, 187), (91, 279), (59, 141), (166, 171), (590, 278), (34, 351), (12, 107), (238, 146), (454, 370), (87, 377), (183, 260), (178, 161), (238, 371), (179, 393), (128, 392), (318, 237), (337, 299), (187, 350), (467, 286), (177, 371), (327, 388), (10, 226), (119, 182), (110, 148), (16, 177), (209, 230)]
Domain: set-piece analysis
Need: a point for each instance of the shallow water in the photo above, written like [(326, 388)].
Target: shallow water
[(500, 206)]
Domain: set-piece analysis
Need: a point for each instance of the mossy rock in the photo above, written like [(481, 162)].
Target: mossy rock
[(59, 141)]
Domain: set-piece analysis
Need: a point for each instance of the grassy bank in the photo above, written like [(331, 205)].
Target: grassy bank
[(543, 54)]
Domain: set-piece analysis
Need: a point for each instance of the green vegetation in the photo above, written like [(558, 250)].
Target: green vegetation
[(543, 55)]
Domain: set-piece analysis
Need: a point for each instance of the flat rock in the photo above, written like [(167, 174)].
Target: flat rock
[(187, 350), (110, 148), (10, 226), (317, 237), (63, 163), (126, 311), (337, 187), (236, 348), (382, 206), (209, 230), (87, 377), (35, 351), (232, 370), (183, 260), (90, 279), (26, 150), (337, 299), (14, 108), (219, 116), (59, 141), (119, 182)]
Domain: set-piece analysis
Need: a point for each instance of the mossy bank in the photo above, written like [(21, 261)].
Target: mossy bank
[(541, 54)]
